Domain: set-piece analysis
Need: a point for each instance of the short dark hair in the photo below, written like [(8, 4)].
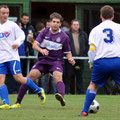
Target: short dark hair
[(56, 15), (74, 20), (107, 12), (3, 6), (25, 14), (39, 26)]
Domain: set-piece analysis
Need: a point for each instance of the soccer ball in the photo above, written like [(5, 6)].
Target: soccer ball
[(94, 107)]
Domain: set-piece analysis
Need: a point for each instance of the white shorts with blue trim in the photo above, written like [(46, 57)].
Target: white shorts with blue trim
[(10, 67)]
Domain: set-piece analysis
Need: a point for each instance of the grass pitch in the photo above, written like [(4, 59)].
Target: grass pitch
[(31, 109)]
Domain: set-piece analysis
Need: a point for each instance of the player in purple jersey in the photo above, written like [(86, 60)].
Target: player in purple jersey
[(51, 45)]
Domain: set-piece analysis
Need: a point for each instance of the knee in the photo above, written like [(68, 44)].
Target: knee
[(19, 78), (93, 86), (32, 77)]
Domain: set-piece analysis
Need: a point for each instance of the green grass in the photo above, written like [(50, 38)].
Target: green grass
[(31, 109)]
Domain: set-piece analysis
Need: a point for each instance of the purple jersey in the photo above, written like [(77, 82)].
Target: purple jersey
[(57, 44)]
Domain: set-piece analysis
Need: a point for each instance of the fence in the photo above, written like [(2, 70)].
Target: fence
[(86, 76)]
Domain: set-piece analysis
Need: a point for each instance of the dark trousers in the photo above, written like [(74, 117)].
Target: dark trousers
[(69, 70)]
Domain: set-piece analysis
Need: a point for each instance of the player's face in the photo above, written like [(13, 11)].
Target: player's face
[(55, 24), (25, 20), (75, 26), (4, 13)]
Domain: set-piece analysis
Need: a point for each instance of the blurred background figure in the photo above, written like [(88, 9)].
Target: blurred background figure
[(30, 34), (47, 23), (65, 26), (39, 27), (79, 47), (26, 48)]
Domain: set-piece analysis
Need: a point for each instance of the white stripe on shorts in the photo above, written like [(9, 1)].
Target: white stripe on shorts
[(14, 67)]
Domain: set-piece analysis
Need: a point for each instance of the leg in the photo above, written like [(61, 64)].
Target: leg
[(44, 82), (27, 81), (34, 74), (79, 77), (90, 96), (3, 90), (68, 71), (57, 76), (53, 85), (13, 85), (14, 66)]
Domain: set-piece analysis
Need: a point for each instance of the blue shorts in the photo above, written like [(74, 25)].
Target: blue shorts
[(103, 69), (10, 67)]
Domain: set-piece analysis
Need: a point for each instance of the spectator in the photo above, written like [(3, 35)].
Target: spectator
[(39, 27), (65, 26), (45, 81), (29, 34), (26, 48), (47, 24), (79, 47)]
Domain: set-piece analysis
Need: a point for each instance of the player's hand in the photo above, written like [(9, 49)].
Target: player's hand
[(15, 46), (90, 68), (71, 61), (44, 51)]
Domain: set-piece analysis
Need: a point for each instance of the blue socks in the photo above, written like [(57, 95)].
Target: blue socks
[(4, 90), (30, 84), (90, 96), (4, 94)]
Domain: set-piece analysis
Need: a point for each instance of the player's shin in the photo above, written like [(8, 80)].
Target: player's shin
[(61, 91), (36, 89), (30, 84), (90, 96), (4, 94), (61, 88), (22, 91)]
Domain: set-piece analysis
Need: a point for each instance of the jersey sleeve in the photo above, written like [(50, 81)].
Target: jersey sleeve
[(19, 35), (66, 46), (92, 37)]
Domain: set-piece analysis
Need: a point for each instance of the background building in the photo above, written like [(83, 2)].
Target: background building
[(87, 11)]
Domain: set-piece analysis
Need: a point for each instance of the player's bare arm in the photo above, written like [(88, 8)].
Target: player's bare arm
[(70, 59), (37, 48)]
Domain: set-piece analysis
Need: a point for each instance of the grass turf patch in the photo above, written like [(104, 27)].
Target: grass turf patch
[(31, 109)]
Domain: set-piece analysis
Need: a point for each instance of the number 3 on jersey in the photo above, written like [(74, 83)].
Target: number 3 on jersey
[(109, 33)]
